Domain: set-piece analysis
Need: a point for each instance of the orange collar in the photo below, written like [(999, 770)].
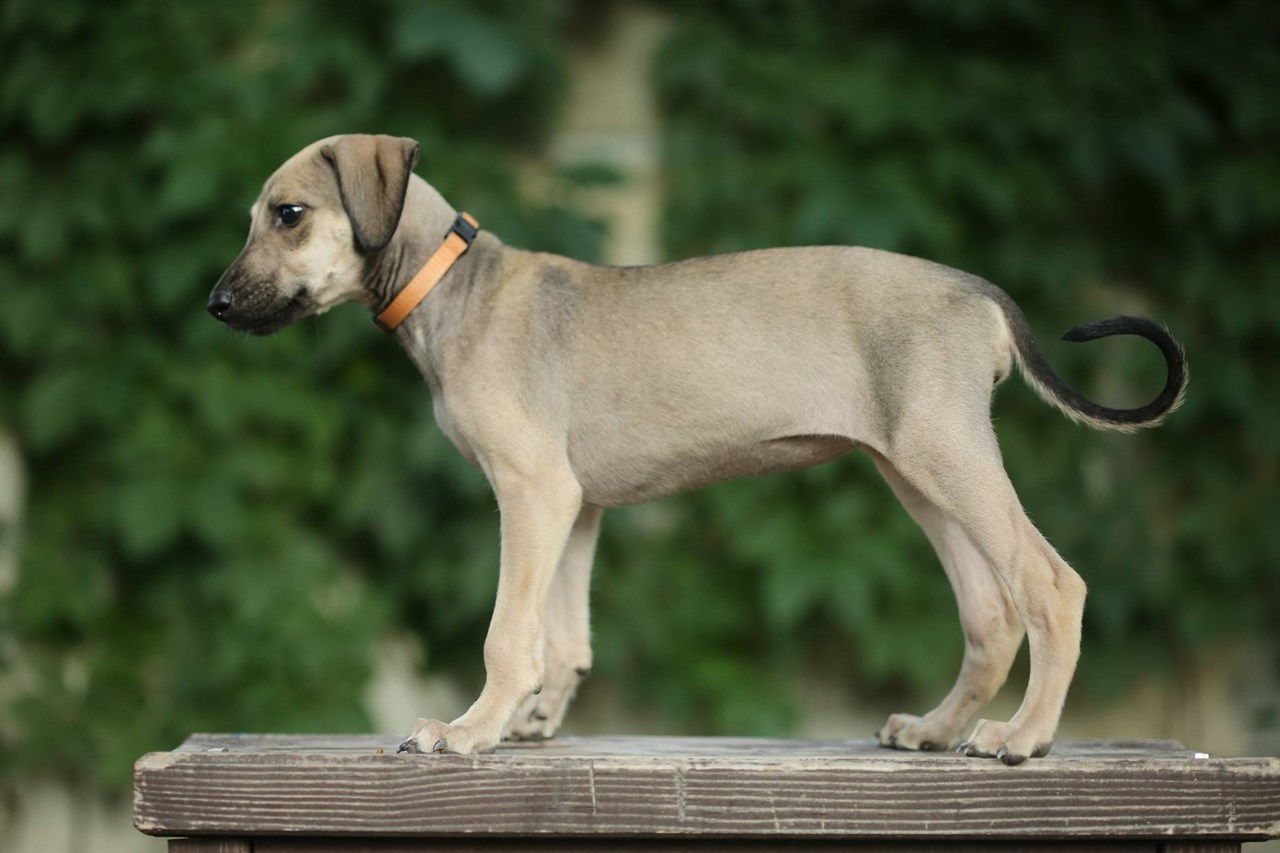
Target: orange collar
[(456, 242)]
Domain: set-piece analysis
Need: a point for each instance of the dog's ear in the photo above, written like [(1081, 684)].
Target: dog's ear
[(373, 176)]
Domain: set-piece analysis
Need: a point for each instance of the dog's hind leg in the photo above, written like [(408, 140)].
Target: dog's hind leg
[(955, 463), (992, 630), (568, 635)]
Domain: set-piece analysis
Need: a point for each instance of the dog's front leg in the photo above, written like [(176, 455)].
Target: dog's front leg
[(568, 635), (538, 511)]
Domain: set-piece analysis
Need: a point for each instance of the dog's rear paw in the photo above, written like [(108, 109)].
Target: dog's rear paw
[(907, 731)]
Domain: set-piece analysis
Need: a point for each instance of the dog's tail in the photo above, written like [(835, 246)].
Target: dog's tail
[(1054, 390)]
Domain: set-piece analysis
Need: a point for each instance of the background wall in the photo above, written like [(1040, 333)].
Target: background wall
[(202, 532)]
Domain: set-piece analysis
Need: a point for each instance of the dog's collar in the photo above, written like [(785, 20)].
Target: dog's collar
[(456, 242)]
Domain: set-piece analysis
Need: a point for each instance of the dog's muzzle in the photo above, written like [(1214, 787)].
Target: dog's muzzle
[(259, 309)]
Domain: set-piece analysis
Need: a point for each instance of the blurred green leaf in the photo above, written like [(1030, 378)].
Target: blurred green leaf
[(482, 50)]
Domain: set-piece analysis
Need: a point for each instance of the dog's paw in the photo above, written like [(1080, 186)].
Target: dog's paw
[(907, 731), (536, 719), (1002, 741), (435, 736), (541, 714)]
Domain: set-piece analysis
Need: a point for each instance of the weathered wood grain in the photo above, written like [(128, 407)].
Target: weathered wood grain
[(651, 746), (678, 844), (252, 785)]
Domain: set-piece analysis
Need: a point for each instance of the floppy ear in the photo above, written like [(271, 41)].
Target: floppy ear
[(373, 176)]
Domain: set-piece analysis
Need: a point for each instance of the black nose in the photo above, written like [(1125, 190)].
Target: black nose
[(219, 303)]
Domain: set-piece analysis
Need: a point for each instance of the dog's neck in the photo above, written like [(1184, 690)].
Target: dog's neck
[(429, 329), (424, 222)]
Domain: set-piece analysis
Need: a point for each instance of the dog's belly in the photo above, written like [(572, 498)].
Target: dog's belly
[(637, 474)]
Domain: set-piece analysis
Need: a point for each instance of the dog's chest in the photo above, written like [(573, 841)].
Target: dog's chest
[(416, 348), (451, 428)]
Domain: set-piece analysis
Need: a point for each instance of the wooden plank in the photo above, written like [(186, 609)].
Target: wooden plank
[(675, 746), (710, 787), (679, 844)]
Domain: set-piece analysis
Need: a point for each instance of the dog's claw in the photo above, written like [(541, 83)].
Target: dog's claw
[(972, 750), (408, 745), (926, 746), (1010, 758), (440, 745)]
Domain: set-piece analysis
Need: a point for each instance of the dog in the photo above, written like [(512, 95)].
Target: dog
[(577, 387)]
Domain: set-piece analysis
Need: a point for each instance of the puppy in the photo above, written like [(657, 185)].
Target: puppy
[(576, 387)]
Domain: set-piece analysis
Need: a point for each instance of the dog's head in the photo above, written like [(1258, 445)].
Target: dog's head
[(314, 227)]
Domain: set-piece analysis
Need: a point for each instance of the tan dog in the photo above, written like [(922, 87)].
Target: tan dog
[(576, 387)]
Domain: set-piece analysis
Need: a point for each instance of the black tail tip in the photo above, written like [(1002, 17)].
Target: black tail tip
[(1115, 326)]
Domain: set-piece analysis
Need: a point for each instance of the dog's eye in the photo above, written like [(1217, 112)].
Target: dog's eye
[(289, 214)]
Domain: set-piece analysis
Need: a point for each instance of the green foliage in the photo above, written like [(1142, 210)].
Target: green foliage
[(1106, 159), (219, 529)]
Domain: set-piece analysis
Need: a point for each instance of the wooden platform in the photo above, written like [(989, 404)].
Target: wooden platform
[(289, 793)]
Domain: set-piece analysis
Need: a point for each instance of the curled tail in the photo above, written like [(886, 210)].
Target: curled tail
[(1054, 390)]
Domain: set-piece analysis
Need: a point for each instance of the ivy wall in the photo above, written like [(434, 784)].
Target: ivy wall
[(217, 530)]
